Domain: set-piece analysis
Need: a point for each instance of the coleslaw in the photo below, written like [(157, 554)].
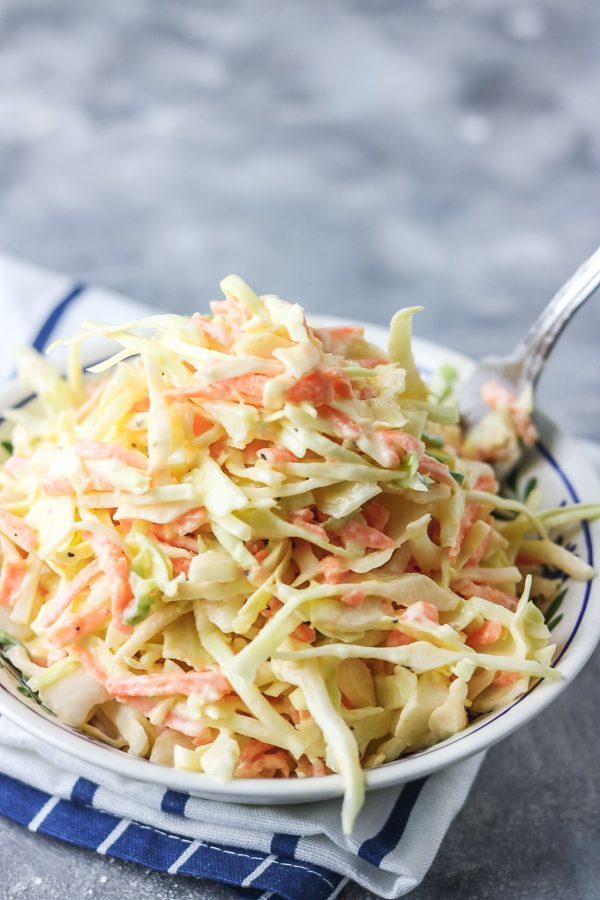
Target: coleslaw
[(247, 547)]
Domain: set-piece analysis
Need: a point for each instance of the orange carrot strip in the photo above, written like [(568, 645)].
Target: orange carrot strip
[(302, 516), (399, 639), (200, 733), (436, 470), (15, 528), (468, 589), (333, 569), (304, 632), (504, 679), (353, 598), (320, 387), (97, 450), (276, 455), (376, 515), (421, 611), (488, 633), (337, 338), (402, 440), (210, 684), (73, 627), (11, 579), (180, 564), (355, 532), (470, 514), (347, 428), (115, 566), (243, 388), (53, 609)]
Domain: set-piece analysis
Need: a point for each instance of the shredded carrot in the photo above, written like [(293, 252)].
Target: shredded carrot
[(11, 579), (304, 632), (320, 387), (200, 425), (488, 633), (497, 396), (421, 611), (315, 529), (468, 589), (53, 609), (376, 515), (241, 388), (181, 564), (486, 480), (210, 684), (402, 440), (213, 331), (258, 758), (70, 627), (276, 455), (333, 569), (15, 528), (272, 606), (398, 638), (481, 550), (357, 533), (337, 338), (115, 566), (302, 516), (353, 598), (190, 522), (347, 429), (91, 664), (470, 514), (97, 450), (141, 406), (436, 470), (505, 679)]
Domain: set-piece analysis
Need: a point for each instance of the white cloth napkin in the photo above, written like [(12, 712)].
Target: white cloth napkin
[(399, 830)]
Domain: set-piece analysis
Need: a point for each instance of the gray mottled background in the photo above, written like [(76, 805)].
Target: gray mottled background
[(354, 156)]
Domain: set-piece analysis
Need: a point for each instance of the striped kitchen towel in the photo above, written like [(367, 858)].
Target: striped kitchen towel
[(294, 852)]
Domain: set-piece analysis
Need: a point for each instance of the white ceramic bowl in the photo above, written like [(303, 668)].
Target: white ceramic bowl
[(563, 474)]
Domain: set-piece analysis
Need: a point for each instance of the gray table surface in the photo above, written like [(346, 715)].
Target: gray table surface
[(354, 155)]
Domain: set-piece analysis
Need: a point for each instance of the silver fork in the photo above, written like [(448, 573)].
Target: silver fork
[(523, 366)]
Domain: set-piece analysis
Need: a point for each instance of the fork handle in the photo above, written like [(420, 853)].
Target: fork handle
[(533, 351)]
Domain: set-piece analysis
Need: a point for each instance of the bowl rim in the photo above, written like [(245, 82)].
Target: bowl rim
[(478, 736)]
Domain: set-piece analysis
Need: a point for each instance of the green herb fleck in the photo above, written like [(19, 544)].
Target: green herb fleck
[(555, 606), (8, 447), (552, 625), (511, 483), (6, 640), (458, 477), (433, 440)]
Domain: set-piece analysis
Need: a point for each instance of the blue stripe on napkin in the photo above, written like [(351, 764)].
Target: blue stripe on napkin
[(388, 837), (83, 791), (251, 872), (47, 329), (174, 802)]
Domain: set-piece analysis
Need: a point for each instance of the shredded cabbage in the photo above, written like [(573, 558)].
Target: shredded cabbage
[(250, 548)]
